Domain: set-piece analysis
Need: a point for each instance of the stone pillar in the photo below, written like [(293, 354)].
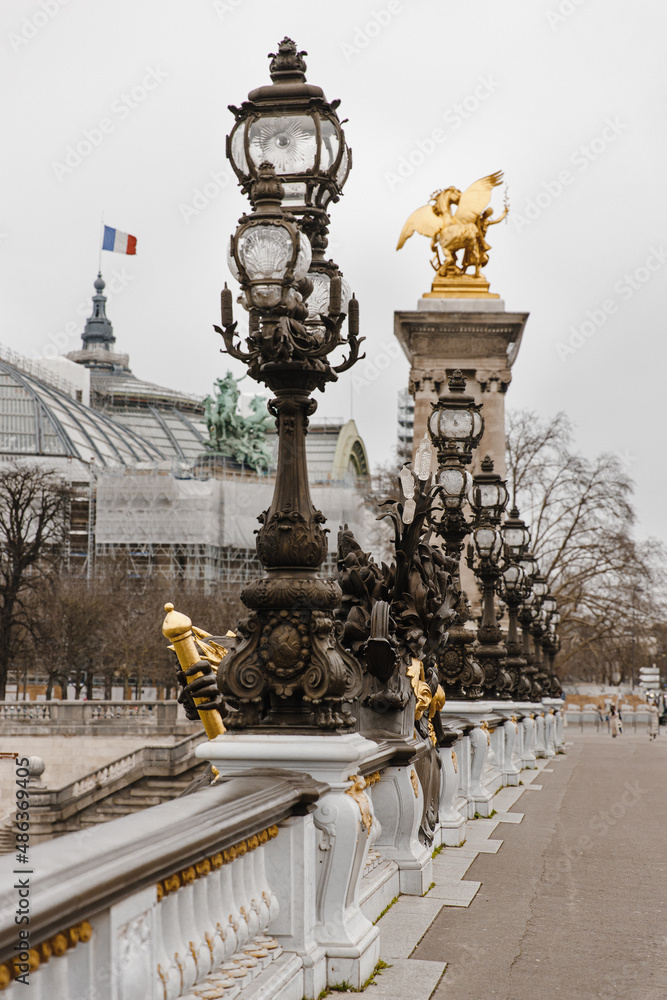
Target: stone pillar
[(476, 335), (481, 338), (326, 926)]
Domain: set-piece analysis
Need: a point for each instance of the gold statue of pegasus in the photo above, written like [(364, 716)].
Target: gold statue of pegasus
[(464, 229)]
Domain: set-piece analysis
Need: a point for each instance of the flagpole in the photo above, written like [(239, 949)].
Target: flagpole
[(99, 263)]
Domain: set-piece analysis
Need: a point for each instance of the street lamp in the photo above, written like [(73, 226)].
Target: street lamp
[(489, 494), (290, 124), (488, 499), (455, 427), (456, 424), (288, 668), (514, 587), (516, 537), (268, 254), (525, 615)]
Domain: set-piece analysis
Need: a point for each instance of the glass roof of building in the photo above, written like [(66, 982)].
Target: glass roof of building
[(39, 419)]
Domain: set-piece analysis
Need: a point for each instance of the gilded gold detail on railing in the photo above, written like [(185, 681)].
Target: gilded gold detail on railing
[(425, 699), (186, 876), (357, 792), (415, 783), (485, 726), (53, 947), (455, 762)]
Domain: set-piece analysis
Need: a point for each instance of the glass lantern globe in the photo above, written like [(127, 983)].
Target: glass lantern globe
[(489, 493), (513, 578), (266, 259), (318, 300), (540, 586), (456, 423), (454, 482), (528, 564), (549, 603), (291, 124), (515, 535), (488, 542)]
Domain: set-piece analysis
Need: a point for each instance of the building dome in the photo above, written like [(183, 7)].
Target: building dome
[(37, 419)]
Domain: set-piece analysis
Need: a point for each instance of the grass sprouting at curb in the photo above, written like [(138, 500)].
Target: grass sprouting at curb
[(386, 909), (345, 987)]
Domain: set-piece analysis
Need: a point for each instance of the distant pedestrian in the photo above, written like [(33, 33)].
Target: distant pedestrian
[(652, 721), (613, 721)]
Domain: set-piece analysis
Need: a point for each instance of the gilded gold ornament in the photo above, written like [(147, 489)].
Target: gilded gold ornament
[(190, 647), (357, 792), (451, 232)]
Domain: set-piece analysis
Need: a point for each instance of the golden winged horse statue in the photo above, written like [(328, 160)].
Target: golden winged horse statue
[(463, 230)]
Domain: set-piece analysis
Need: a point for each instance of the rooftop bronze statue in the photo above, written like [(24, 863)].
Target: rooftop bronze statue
[(230, 433), (452, 231)]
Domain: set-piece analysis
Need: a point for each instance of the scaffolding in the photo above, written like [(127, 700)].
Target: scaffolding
[(200, 530)]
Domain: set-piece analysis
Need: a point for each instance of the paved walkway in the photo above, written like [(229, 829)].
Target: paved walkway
[(562, 894)]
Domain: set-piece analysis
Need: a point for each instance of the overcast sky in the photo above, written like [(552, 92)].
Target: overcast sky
[(566, 96)]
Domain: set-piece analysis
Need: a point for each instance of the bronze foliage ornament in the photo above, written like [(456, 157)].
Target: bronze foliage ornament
[(396, 615)]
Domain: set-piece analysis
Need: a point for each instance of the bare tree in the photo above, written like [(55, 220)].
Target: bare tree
[(69, 632), (609, 587), (33, 531)]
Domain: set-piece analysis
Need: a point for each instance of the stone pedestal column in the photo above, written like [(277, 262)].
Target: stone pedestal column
[(510, 770), (528, 755), (322, 874), (398, 799), (540, 734)]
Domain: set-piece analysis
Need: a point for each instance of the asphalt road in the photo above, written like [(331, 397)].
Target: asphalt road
[(574, 904)]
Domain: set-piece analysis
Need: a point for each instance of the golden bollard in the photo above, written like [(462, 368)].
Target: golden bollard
[(177, 628)]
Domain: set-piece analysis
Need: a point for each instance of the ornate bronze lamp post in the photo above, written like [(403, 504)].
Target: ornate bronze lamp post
[(455, 428), (551, 646), (288, 149), (488, 501), (513, 588), (538, 628)]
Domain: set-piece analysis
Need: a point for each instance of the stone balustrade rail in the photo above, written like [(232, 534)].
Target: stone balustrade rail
[(103, 718), (53, 807), (141, 902)]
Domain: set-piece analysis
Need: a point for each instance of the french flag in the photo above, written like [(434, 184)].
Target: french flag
[(119, 242)]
